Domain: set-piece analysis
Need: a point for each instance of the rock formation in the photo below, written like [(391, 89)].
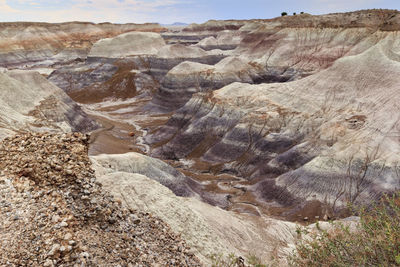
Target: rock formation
[(27, 43), (225, 40), (255, 121), (128, 44), (333, 123), (31, 103), (207, 229), (150, 167)]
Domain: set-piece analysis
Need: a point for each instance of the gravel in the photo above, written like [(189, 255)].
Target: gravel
[(55, 213)]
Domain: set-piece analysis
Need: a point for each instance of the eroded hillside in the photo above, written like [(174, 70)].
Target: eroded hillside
[(290, 118), (27, 43)]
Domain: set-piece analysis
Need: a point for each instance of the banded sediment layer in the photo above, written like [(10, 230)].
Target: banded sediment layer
[(234, 126)]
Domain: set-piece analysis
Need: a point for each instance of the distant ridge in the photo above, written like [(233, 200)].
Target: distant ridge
[(175, 24)]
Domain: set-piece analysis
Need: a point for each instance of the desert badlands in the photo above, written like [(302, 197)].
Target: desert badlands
[(143, 145)]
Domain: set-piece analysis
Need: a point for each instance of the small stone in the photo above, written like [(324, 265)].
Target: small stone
[(135, 219), (190, 252), (55, 218), (58, 168), (54, 249), (48, 263), (63, 224), (85, 255), (68, 236)]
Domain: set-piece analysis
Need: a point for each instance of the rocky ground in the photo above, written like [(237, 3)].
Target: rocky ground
[(55, 213)]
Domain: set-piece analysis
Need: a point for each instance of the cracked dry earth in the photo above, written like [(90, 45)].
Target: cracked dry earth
[(54, 213)]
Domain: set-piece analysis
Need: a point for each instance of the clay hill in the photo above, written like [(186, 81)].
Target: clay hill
[(213, 138)]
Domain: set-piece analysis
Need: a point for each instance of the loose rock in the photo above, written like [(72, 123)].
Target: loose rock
[(49, 218)]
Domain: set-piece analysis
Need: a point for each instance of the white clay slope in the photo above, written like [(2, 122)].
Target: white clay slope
[(29, 102), (128, 44), (207, 229), (354, 103)]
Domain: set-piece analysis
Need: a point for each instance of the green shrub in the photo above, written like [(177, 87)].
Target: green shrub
[(376, 242), (284, 14)]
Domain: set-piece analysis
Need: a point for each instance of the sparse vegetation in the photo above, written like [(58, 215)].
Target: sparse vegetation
[(376, 242), (219, 260), (255, 262), (294, 13), (284, 14)]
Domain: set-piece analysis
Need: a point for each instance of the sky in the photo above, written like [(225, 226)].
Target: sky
[(170, 11)]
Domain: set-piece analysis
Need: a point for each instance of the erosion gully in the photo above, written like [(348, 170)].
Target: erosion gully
[(124, 125)]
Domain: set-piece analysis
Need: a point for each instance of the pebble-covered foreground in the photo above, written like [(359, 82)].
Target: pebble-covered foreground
[(54, 213)]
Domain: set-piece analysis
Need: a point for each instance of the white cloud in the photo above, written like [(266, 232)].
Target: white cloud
[(138, 11), (4, 7)]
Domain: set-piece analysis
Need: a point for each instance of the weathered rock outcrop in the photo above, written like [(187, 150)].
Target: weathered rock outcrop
[(292, 117), (172, 55), (208, 230), (287, 131), (31, 103), (225, 40), (281, 137), (26, 43), (153, 168), (98, 81), (273, 51), (128, 44), (339, 122), (106, 77), (378, 19), (215, 26), (190, 77)]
